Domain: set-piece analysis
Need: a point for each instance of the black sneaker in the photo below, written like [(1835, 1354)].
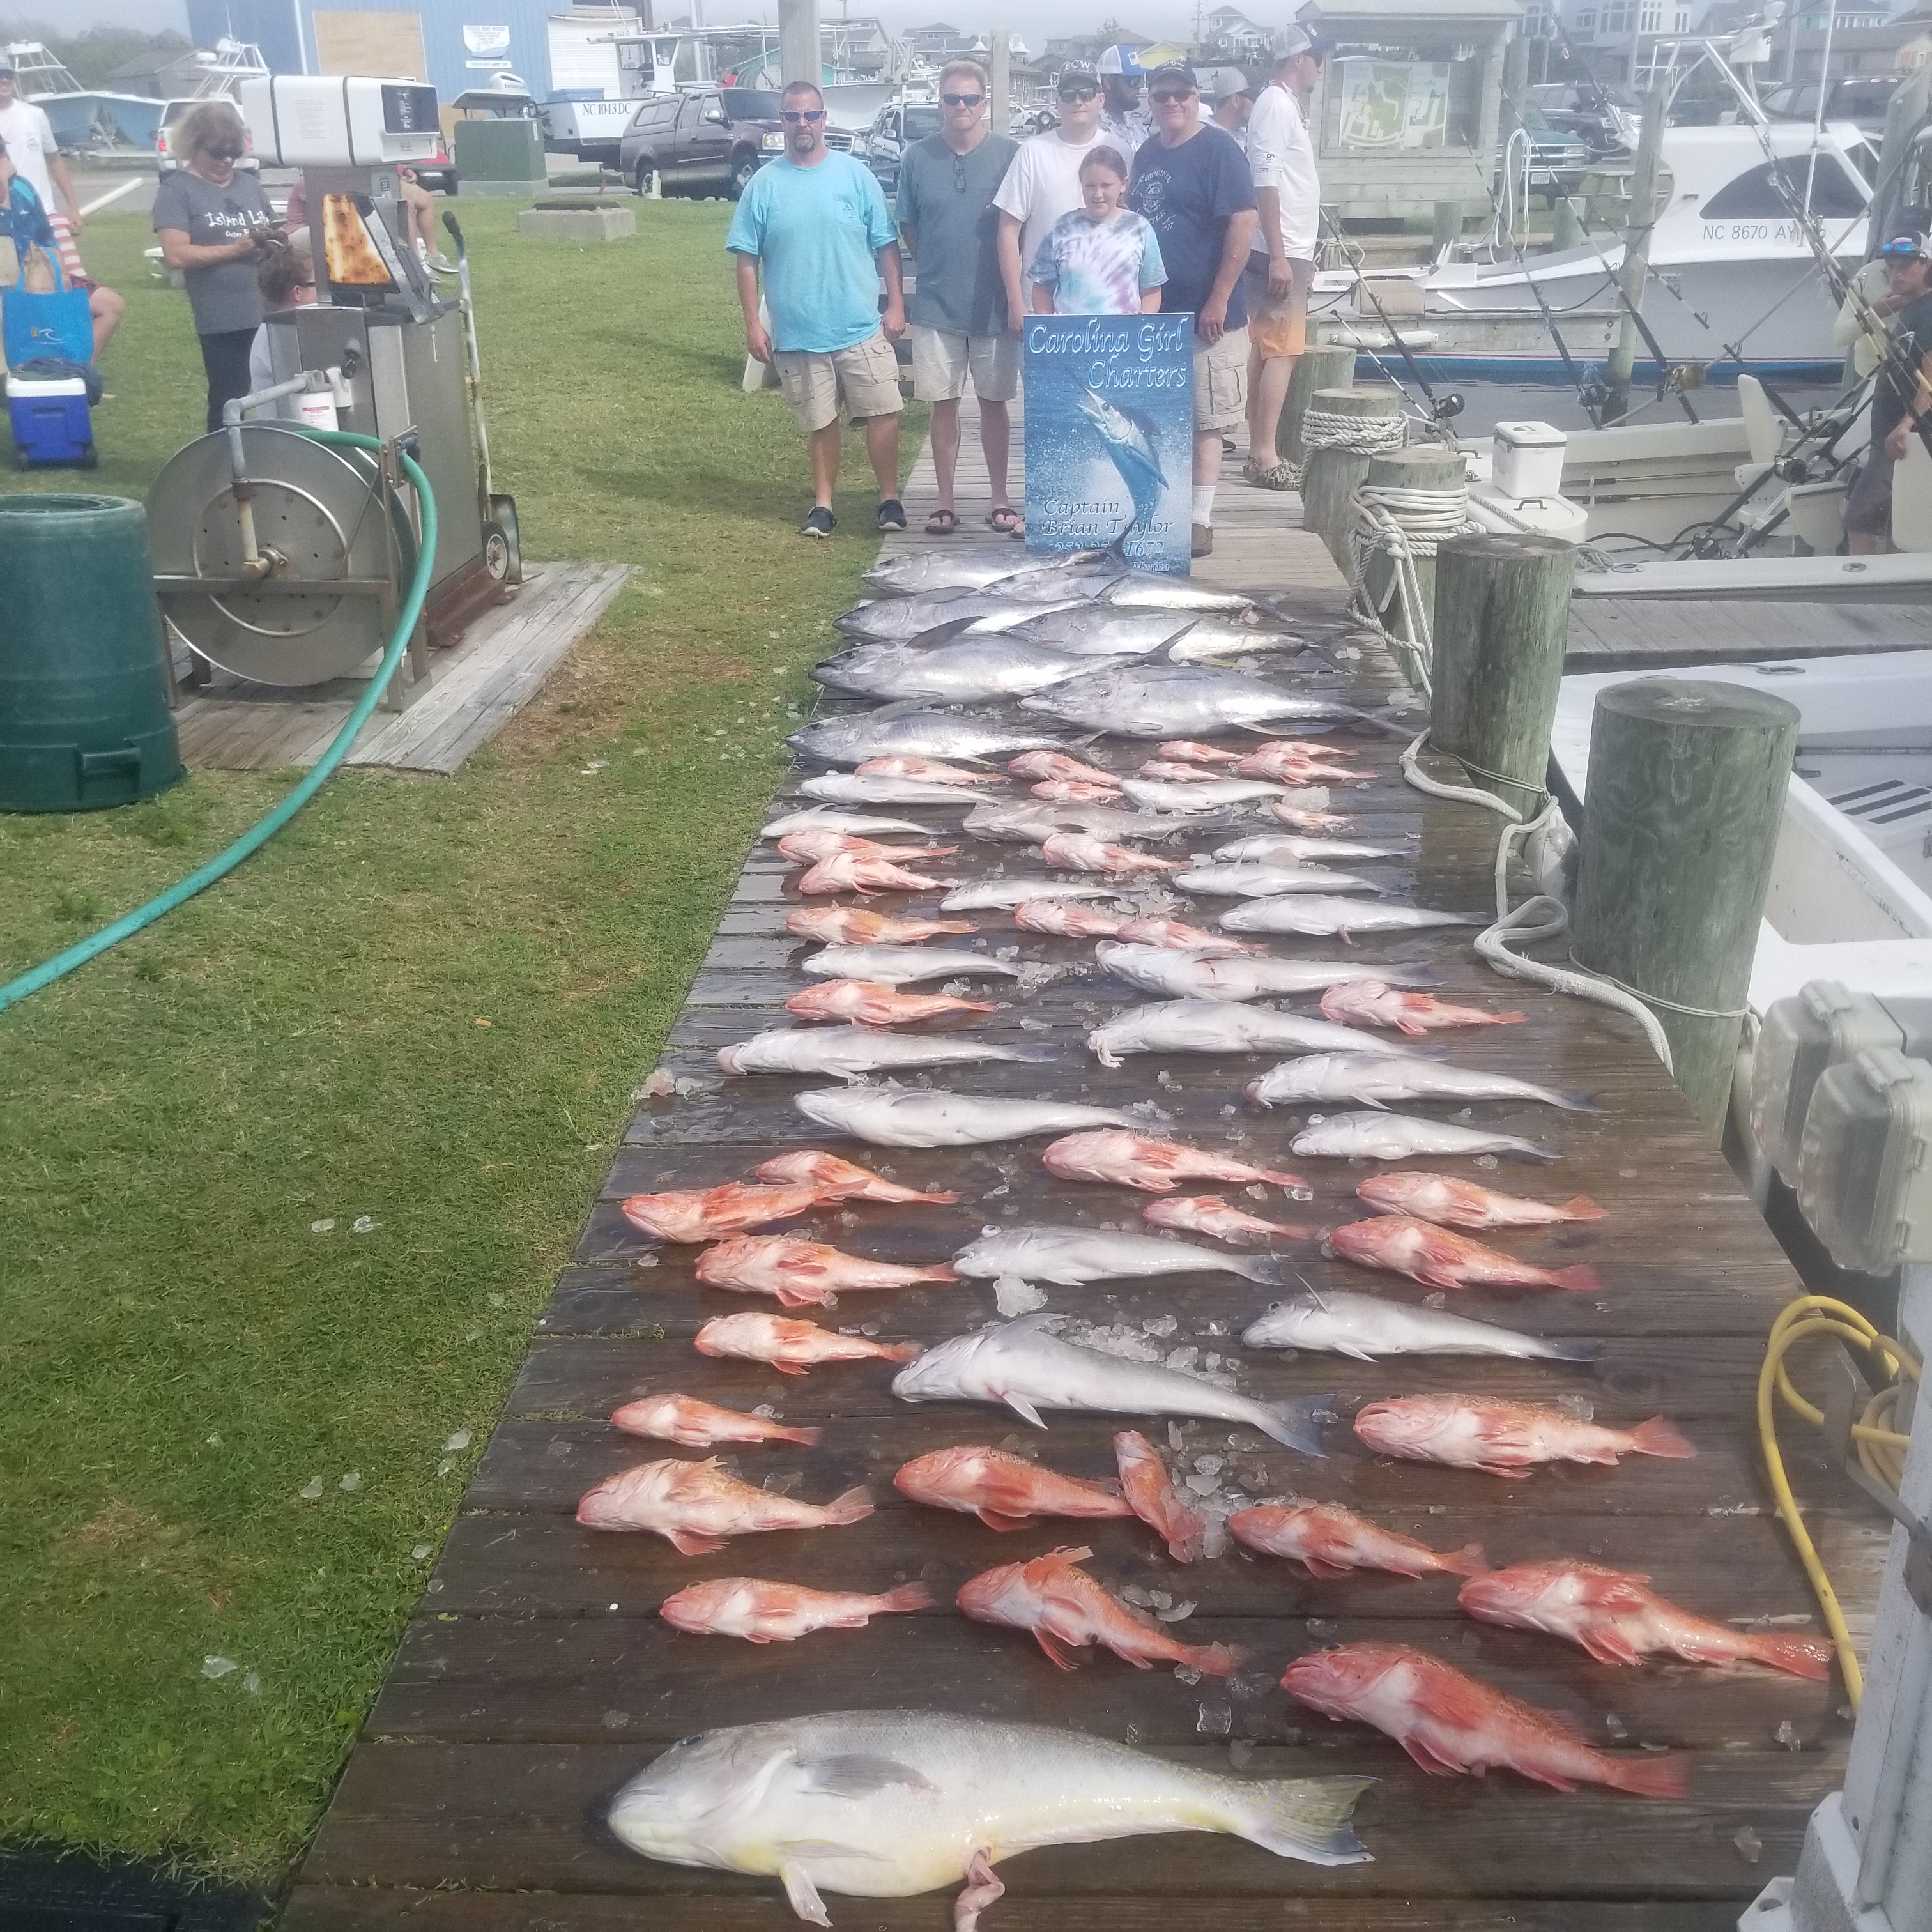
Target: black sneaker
[(820, 523), (892, 515)]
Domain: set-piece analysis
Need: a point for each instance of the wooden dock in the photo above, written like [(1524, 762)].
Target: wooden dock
[(474, 689), (536, 1677)]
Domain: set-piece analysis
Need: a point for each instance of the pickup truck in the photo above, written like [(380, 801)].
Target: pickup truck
[(883, 146), (707, 141)]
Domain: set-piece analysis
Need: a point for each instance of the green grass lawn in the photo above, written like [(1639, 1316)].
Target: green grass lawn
[(288, 1175)]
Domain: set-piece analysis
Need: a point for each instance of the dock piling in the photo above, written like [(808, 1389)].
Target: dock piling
[(1359, 422)]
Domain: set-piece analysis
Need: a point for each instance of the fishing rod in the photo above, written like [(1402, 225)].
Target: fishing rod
[(1441, 409)]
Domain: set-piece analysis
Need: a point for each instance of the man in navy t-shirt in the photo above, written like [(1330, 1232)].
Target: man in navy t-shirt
[(1191, 185)]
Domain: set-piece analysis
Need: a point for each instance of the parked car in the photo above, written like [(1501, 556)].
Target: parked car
[(1859, 97), (894, 129), (1605, 119), (1558, 161), (707, 141), (171, 113)]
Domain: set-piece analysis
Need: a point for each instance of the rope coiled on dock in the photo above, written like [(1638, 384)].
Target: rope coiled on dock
[(1405, 525), (1361, 436)]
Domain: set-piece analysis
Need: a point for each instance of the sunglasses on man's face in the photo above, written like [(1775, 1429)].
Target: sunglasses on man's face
[(1167, 97), (962, 99), (1086, 90), (793, 116)]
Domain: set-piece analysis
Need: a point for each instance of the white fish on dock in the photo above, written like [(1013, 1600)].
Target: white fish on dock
[(1201, 794), (1379, 1136), (1269, 881), (1270, 848), (1142, 700), (1094, 631), (1072, 1257), (1321, 916), (912, 730), (849, 1051), (968, 669), (1192, 976), (1010, 892), (886, 1804), (1212, 637), (1023, 1366), (929, 570), (829, 818), (1368, 1327), (903, 965), (981, 613), (1378, 1079), (1225, 1026), (848, 788), (1032, 821), (932, 1117)]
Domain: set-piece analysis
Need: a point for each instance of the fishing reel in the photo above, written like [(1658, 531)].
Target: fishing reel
[(1441, 409)]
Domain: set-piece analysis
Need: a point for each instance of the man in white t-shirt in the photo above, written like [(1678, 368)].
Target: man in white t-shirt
[(1281, 266), (1043, 183), (30, 146)]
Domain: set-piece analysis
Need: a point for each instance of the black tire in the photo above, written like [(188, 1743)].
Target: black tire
[(641, 175), (744, 166)]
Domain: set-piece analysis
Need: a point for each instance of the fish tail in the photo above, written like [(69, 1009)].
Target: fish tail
[(1471, 1560), (854, 1506), (1580, 1208), (1802, 1656), (1657, 1437), (1651, 1777), (1575, 1099), (941, 1200), (945, 1271), (1579, 1277), (805, 1437), (902, 1351), (1572, 1351), (1534, 1151), (1297, 1424), (907, 1596), (1305, 1818), (1213, 1660), (1265, 1270)]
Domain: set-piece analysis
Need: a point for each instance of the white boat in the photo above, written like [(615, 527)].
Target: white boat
[(82, 117)]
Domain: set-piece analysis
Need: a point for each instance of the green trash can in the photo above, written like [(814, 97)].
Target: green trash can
[(84, 716)]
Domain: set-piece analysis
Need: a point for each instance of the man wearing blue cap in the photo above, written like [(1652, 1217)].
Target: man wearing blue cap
[(1123, 121), (1191, 185)]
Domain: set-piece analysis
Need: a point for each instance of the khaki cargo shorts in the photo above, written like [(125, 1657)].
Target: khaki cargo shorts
[(943, 359), (1221, 383), (1278, 324), (865, 378)]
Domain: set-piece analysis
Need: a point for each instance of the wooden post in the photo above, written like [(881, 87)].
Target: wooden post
[(1429, 466), (1319, 366), (1000, 67), (1502, 615), (1329, 476), (1682, 811), (799, 58), (1447, 225), (1635, 269), (1568, 228)]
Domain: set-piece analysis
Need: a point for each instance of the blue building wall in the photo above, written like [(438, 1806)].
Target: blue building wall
[(269, 24)]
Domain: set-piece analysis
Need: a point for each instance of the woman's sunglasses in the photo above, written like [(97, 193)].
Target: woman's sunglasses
[(962, 99), (795, 114), (223, 154)]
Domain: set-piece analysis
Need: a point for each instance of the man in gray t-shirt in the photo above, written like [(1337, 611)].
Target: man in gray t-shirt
[(957, 311)]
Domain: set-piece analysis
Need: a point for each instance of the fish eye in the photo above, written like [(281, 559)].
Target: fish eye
[(696, 1737)]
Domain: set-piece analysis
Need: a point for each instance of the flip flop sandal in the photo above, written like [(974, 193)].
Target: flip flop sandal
[(941, 523), (1007, 522)]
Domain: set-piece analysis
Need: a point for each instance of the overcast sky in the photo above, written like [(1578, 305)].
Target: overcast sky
[(1033, 19)]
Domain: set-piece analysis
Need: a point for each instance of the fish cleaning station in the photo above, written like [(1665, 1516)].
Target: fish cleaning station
[(538, 1679), (1271, 1273)]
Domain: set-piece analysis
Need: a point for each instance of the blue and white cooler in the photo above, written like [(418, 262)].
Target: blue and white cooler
[(51, 421)]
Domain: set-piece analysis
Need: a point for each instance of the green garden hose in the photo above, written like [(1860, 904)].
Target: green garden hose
[(258, 834)]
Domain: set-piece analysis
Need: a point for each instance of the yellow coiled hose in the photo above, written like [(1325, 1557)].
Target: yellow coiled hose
[(1880, 1450)]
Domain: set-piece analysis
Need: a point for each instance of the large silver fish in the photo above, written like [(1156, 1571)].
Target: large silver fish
[(1379, 1136), (886, 1804), (1023, 1366), (829, 818), (1190, 976), (849, 1051), (903, 965), (1033, 821), (912, 730), (1150, 590), (849, 788), (1378, 1079), (1198, 795), (1268, 881), (959, 673), (1224, 1026), (963, 612), (1211, 638), (1010, 892), (1143, 700), (1072, 1257), (1322, 916), (1266, 848), (1100, 631), (932, 1117), (963, 569), (1366, 1327)]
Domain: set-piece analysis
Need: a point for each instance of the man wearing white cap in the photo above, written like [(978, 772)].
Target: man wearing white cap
[(1281, 266)]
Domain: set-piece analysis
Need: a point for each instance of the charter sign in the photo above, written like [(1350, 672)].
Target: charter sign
[(1110, 435)]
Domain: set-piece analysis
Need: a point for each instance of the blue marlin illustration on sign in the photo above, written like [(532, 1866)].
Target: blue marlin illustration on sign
[(1110, 435)]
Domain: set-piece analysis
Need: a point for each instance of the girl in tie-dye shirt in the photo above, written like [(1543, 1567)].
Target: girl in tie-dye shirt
[(1101, 260)]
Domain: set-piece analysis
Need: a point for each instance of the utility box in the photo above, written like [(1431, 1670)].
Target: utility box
[(500, 157), (1863, 1179), (1527, 460), (1405, 114)]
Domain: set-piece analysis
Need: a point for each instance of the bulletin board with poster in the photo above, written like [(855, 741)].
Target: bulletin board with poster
[(1392, 107)]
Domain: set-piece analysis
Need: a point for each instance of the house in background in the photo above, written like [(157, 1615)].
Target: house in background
[(939, 41), (1232, 37), (1613, 38)]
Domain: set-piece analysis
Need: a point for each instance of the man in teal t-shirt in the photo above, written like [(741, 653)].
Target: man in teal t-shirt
[(817, 224)]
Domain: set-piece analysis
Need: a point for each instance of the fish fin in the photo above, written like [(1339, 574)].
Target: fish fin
[(1534, 1151), (687, 1544), (1414, 1028), (1267, 1271), (908, 1597), (1056, 1652), (1802, 1656), (1025, 1410), (998, 1519), (1433, 1762), (1581, 1208), (1609, 1645), (1297, 1424), (1578, 1277), (1658, 1437), (1612, 1589), (801, 1894), (793, 1298), (1574, 1351), (1514, 1471), (1305, 1818), (809, 1438), (1647, 1777), (1320, 1566), (1431, 1275), (856, 1774), (788, 1368), (752, 1636), (1471, 1560), (854, 1506)]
